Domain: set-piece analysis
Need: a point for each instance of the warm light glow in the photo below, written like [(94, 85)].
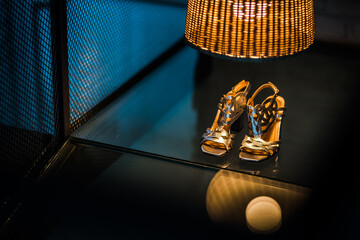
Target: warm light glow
[(263, 215), (259, 204), (248, 13), (250, 28)]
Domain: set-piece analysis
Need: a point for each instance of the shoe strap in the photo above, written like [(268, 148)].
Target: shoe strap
[(240, 86), (262, 87), (265, 116), (233, 110), (260, 145), (219, 135)]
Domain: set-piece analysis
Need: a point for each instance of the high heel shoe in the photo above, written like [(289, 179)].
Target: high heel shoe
[(264, 121), (217, 140)]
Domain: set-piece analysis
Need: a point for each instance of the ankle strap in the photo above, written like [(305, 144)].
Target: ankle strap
[(244, 86), (266, 85)]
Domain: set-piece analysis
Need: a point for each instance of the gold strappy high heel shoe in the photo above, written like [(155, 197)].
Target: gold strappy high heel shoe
[(217, 140), (264, 119)]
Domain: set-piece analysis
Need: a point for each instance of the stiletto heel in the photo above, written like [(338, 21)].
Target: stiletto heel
[(264, 122), (217, 140)]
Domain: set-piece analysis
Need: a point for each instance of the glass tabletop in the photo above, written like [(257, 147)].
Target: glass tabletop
[(99, 193), (169, 110)]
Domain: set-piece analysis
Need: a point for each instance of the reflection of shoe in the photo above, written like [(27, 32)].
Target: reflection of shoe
[(265, 119), (217, 140)]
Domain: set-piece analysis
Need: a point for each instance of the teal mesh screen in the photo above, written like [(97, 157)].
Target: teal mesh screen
[(110, 41), (29, 117)]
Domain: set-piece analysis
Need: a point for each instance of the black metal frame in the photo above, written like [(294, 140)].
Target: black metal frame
[(60, 58)]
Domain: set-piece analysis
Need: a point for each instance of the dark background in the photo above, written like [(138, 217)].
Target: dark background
[(96, 190)]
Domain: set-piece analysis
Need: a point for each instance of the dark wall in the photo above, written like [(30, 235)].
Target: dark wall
[(338, 21)]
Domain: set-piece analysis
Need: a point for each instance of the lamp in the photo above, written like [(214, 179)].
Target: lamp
[(250, 29)]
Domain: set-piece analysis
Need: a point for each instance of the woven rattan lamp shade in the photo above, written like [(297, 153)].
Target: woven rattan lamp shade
[(250, 29)]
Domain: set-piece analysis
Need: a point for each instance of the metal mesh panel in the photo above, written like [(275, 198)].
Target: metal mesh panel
[(110, 41), (28, 115)]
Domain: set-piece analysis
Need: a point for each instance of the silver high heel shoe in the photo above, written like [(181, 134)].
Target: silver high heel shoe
[(217, 140), (265, 121)]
